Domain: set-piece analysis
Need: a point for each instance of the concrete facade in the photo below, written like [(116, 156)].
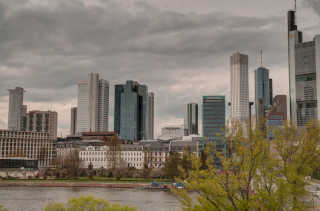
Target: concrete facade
[(32, 144), (73, 123), (239, 87), (42, 121), (16, 109), (93, 105)]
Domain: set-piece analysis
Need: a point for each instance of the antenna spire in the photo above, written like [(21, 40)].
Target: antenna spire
[(261, 59)]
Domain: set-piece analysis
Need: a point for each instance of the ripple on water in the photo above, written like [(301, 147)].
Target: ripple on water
[(36, 198)]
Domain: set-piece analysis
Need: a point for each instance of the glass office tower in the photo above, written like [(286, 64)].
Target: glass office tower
[(262, 90), (191, 118), (213, 121), (131, 111)]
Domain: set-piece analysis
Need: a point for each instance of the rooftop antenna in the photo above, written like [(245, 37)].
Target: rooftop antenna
[(261, 59)]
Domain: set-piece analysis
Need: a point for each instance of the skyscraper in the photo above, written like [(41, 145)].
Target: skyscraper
[(262, 90), (213, 122), (16, 109), (270, 91), (131, 111), (151, 115), (239, 87), (93, 105), (73, 124), (191, 117), (304, 74)]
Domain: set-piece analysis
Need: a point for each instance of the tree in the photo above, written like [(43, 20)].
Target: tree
[(84, 203), (124, 171), (254, 175), (171, 165), (156, 173), (89, 170), (148, 164), (73, 164), (99, 171), (59, 164), (114, 155), (2, 209), (186, 160)]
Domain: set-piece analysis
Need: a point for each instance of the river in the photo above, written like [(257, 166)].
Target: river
[(36, 198)]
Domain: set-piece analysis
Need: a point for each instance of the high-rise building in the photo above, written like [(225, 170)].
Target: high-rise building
[(117, 106), (93, 104), (262, 90), (16, 109), (131, 111), (191, 117), (270, 90), (213, 121), (239, 87), (304, 74), (279, 104), (151, 116), (41, 121), (73, 124)]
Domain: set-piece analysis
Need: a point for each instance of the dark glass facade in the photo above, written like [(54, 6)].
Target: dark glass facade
[(213, 121), (262, 89), (117, 106), (131, 111), (16, 164)]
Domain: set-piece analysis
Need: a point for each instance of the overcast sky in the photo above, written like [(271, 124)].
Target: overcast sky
[(180, 49)]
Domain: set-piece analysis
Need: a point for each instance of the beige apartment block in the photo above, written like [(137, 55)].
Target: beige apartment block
[(41, 121)]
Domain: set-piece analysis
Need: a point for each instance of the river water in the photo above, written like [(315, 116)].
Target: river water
[(36, 198)]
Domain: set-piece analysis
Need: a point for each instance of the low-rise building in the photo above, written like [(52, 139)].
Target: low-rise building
[(155, 154), (133, 155), (28, 144), (97, 155), (64, 148)]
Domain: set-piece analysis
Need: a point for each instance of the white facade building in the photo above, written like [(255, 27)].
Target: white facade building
[(239, 87), (133, 155), (16, 108), (93, 105), (97, 155)]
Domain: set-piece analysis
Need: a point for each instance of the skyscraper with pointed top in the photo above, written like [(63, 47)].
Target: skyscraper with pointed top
[(304, 74)]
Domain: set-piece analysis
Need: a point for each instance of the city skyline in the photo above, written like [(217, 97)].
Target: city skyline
[(176, 79)]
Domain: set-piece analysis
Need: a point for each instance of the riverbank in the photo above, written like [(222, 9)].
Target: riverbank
[(71, 184)]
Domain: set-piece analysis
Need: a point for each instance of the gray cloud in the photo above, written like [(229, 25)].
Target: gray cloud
[(47, 46), (313, 4)]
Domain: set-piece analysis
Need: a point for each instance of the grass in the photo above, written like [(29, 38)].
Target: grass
[(94, 180)]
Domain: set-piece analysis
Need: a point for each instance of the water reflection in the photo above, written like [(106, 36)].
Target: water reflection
[(36, 198)]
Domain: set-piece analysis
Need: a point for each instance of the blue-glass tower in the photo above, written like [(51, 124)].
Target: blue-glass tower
[(262, 89), (213, 121), (131, 111)]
